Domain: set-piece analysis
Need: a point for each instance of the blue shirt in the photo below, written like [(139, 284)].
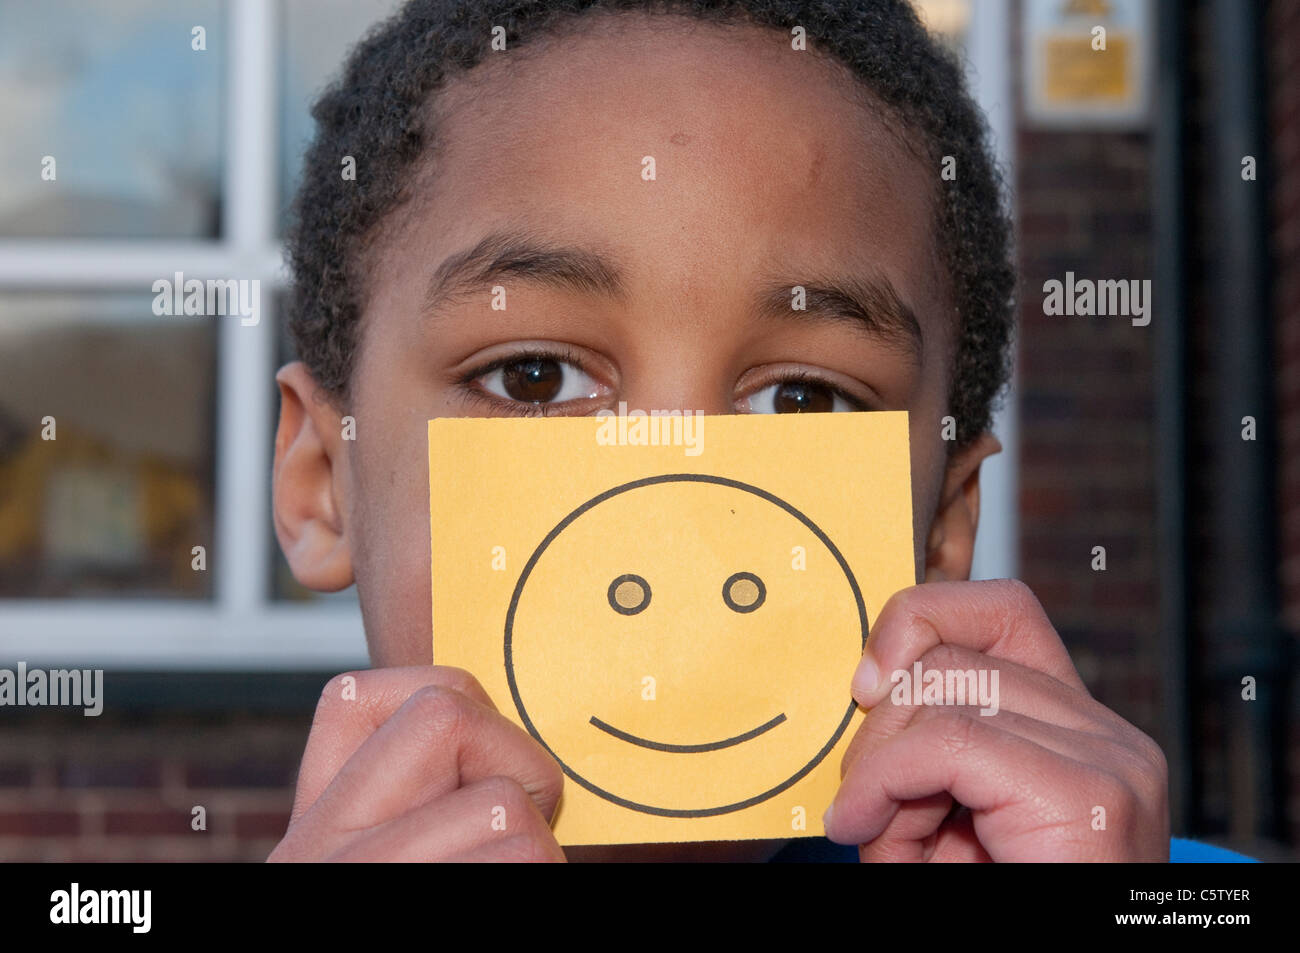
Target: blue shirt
[(819, 850)]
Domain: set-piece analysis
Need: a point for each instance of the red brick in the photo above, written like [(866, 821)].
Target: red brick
[(269, 824), (147, 822), (88, 773), (38, 823), (242, 773)]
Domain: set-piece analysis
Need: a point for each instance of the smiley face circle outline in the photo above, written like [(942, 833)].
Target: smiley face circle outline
[(596, 501)]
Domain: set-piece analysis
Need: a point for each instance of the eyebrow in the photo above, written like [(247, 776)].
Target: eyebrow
[(516, 254), (869, 304)]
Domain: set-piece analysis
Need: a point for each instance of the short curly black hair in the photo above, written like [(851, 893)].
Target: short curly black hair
[(378, 109)]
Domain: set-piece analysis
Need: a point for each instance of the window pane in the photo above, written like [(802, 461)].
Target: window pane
[(128, 112), (114, 503), (317, 37)]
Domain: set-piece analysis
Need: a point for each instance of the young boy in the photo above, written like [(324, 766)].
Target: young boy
[(792, 143)]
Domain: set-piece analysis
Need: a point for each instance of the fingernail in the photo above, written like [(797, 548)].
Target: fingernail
[(866, 678), (826, 818)]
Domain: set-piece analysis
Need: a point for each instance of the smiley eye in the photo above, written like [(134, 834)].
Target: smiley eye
[(743, 592), (628, 594)]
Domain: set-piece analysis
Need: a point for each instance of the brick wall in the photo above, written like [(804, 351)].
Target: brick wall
[(123, 786), (1087, 466)]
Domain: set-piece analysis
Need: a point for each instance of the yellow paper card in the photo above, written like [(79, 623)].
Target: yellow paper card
[(673, 607)]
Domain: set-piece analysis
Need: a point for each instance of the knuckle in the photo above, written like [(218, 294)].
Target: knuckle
[(549, 784), (458, 679), (332, 693), (506, 792), (1114, 795), (1022, 603), (901, 603), (1139, 758), (1123, 815), (528, 823), (442, 710), (1017, 591), (552, 773), (330, 704), (1154, 755), (1153, 766)]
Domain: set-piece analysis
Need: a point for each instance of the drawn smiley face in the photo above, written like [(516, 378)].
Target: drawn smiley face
[(694, 673)]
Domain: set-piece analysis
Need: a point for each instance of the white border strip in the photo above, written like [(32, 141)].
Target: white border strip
[(240, 557), (142, 634), (997, 543)]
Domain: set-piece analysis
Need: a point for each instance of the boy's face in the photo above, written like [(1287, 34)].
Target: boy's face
[(670, 293)]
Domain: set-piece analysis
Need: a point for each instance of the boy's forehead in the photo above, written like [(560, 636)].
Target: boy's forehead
[(708, 153)]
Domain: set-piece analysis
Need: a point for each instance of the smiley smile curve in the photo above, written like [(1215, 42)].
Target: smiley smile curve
[(688, 749)]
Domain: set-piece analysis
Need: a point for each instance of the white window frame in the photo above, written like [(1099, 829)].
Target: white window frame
[(988, 53), (242, 627)]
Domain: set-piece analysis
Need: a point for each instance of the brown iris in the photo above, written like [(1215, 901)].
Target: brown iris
[(535, 380), (795, 397)]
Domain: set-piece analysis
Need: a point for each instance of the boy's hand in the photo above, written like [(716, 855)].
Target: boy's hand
[(417, 764), (945, 783)]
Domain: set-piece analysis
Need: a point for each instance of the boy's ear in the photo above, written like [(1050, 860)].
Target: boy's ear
[(951, 546), (307, 481)]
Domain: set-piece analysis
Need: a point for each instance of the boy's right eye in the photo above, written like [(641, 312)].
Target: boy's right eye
[(534, 379)]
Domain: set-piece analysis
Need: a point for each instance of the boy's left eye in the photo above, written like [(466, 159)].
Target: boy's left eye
[(797, 397)]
